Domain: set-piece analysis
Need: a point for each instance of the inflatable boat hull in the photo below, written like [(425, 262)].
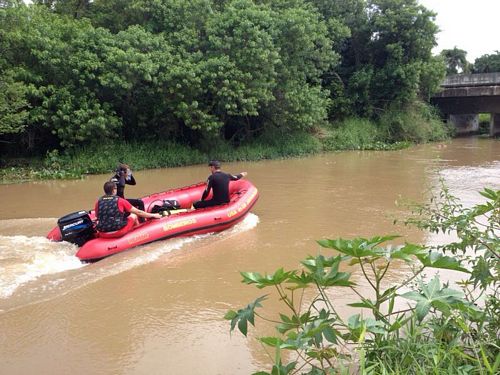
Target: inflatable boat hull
[(243, 196)]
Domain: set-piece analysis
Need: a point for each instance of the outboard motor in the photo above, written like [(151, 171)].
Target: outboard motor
[(76, 227)]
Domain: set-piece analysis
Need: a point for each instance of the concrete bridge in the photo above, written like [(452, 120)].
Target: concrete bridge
[(463, 96)]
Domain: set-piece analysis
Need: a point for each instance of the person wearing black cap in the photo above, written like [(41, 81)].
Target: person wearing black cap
[(122, 177), (218, 183)]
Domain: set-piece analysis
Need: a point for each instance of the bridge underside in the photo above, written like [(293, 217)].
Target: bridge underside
[(467, 104), (464, 96), (463, 111)]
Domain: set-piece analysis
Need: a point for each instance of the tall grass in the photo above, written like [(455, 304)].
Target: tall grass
[(352, 134), (420, 351), (417, 123), (103, 158), (396, 129), (359, 134), (144, 155)]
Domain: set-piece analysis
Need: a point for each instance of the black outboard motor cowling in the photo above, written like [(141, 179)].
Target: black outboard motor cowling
[(76, 227)]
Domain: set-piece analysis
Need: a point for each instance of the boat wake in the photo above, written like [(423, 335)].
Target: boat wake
[(34, 269), (23, 259)]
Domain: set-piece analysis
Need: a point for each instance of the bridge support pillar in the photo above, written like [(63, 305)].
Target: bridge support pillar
[(494, 124), (465, 124)]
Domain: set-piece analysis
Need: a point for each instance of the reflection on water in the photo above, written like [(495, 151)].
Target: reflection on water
[(159, 308)]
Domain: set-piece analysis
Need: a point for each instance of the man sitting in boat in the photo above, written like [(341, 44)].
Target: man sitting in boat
[(113, 212), (218, 181)]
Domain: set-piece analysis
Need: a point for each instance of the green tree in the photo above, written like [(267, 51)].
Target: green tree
[(13, 105), (73, 8), (56, 59), (241, 38), (10, 3), (456, 61), (196, 69), (403, 35), (118, 15), (487, 63), (306, 53), (387, 59)]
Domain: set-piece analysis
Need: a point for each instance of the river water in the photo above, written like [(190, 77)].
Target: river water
[(158, 309)]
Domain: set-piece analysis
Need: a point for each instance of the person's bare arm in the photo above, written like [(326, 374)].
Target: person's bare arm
[(142, 213)]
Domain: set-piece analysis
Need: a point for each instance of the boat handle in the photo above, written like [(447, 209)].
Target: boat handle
[(217, 218), (112, 247)]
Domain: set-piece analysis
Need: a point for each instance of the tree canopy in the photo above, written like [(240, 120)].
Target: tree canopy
[(75, 72), (456, 61), (487, 63)]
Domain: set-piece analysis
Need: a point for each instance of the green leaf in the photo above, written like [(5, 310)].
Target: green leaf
[(432, 295), (330, 334), (243, 316), (300, 281), (405, 252), (231, 314), (274, 342), (365, 303), (260, 281), (490, 194), (359, 247), (438, 260), (324, 271), (481, 273), (279, 369)]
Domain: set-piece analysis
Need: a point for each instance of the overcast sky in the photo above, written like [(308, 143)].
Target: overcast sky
[(471, 25)]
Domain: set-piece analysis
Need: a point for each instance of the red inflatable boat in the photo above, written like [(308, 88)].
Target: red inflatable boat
[(179, 221)]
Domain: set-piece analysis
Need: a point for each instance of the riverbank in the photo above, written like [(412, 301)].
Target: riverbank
[(150, 155), (353, 134)]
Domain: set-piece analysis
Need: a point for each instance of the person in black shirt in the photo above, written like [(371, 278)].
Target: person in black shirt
[(122, 177), (218, 182)]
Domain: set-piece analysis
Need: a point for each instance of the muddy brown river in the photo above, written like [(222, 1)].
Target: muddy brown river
[(158, 309)]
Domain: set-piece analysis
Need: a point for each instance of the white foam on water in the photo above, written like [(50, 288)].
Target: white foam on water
[(149, 253), (478, 177), (249, 222), (24, 259)]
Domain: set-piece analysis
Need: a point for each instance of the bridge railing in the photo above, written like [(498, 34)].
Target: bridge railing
[(477, 79)]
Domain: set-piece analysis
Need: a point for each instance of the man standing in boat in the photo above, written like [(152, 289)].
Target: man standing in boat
[(113, 212), (218, 182), (122, 177)]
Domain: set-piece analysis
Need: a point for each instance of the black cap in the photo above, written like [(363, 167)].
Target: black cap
[(214, 163)]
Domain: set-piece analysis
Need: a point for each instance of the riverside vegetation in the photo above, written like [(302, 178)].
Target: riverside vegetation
[(440, 330), (84, 84)]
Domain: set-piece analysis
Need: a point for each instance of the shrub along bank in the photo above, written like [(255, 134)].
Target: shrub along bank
[(351, 134), (415, 325)]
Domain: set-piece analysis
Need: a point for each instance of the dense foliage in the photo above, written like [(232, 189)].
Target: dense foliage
[(74, 73), (416, 325), (487, 63), (456, 61)]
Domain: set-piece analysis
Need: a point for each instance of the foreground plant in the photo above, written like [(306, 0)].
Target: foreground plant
[(439, 329)]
